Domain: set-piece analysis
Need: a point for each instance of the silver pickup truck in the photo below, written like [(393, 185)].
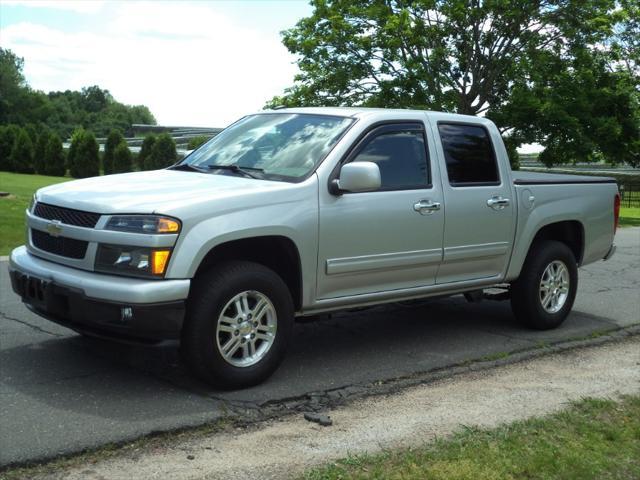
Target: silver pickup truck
[(294, 212)]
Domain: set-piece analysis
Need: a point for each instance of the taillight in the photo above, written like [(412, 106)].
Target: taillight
[(616, 211)]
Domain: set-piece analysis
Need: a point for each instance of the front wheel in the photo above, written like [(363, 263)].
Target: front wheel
[(239, 322), (543, 295)]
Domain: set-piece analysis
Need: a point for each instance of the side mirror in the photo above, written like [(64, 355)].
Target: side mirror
[(357, 177)]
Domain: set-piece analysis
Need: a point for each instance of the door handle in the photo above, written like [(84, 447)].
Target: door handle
[(426, 207), (498, 202)]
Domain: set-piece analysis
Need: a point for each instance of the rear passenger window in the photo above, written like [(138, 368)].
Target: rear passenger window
[(469, 154), (401, 157)]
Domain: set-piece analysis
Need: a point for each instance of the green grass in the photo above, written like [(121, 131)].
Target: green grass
[(630, 217), (21, 188), (592, 439)]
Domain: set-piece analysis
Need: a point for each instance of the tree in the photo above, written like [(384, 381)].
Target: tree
[(54, 161), (196, 141), (113, 140), (163, 153), (18, 103), (464, 56), (144, 156), (21, 157), (122, 160), (83, 158), (39, 151), (63, 112), (8, 136)]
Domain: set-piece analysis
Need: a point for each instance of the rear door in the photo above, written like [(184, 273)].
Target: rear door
[(391, 238), (480, 211)]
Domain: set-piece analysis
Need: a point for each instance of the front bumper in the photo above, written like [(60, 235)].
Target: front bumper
[(102, 305)]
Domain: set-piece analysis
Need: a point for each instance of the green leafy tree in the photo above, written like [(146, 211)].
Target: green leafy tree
[(54, 161), (113, 140), (466, 56), (21, 157), (163, 153), (91, 108), (39, 151), (83, 158), (18, 103), (144, 162), (122, 159), (8, 135)]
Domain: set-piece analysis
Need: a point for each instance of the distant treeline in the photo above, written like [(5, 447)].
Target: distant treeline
[(29, 150), (92, 108), (33, 125)]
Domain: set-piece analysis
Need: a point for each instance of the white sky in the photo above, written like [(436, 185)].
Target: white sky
[(192, 63)]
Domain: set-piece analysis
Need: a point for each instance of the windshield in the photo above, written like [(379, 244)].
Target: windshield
[(279, 146)]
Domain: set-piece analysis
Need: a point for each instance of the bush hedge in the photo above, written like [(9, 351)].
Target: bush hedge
[(83, 159), (21, 156), (113, 140), (54, 159), (163, 153), (145, 152), (122, 158)]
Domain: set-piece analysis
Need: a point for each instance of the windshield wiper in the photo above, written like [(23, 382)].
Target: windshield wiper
[(188, 168), (236, 169)]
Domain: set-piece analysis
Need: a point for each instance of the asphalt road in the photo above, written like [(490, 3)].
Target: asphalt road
[(61, 393)]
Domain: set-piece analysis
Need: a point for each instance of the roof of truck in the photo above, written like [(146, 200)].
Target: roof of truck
[(362, 111)]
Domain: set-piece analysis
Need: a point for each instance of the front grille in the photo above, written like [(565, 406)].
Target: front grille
[(63, 246), (66, 215)]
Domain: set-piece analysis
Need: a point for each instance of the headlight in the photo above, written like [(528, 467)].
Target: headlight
[(132, 261), (143, 224)]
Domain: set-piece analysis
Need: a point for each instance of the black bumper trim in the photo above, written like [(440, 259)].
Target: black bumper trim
[(143, 323)]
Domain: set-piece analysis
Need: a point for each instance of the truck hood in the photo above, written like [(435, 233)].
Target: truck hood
[(158, 191)]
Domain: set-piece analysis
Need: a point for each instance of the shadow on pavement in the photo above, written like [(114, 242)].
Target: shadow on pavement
[(348, 348)]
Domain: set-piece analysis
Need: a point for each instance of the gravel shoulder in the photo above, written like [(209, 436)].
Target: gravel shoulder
[(287, 446)]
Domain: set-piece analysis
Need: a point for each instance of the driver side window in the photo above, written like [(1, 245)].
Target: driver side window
[(401, 156)]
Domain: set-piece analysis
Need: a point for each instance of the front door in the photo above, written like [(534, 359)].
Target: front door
[(391, 238)]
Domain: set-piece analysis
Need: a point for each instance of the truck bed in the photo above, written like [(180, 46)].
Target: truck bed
[(537, 178)]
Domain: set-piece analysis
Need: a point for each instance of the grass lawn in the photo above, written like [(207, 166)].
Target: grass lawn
[(593, 439), (21, 188), (630, 217)]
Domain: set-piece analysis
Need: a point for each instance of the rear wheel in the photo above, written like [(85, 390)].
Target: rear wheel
[(544, 294), (239, 322)]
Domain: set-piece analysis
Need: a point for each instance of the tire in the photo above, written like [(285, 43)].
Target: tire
[(545, 306), (216, 324)]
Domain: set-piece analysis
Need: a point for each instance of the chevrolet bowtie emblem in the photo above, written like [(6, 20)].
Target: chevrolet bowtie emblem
[(54, 228)]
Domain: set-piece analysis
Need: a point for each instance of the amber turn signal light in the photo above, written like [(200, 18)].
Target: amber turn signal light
[(159, 260)]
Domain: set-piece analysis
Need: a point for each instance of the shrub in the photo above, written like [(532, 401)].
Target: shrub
[(54, 161), (21, 156), (195, 142), (113, 140), (145, 152), (122, 159), (38, 153), (163, 153), (7, 138), (83, 158)]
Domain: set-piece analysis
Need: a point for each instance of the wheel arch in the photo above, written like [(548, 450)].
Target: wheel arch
[(276, 252), (569, 232)]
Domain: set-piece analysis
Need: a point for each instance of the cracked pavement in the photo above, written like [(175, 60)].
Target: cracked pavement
[(61, 393)]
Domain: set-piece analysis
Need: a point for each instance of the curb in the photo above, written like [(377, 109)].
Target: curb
[(322, 401), (250, 415)]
